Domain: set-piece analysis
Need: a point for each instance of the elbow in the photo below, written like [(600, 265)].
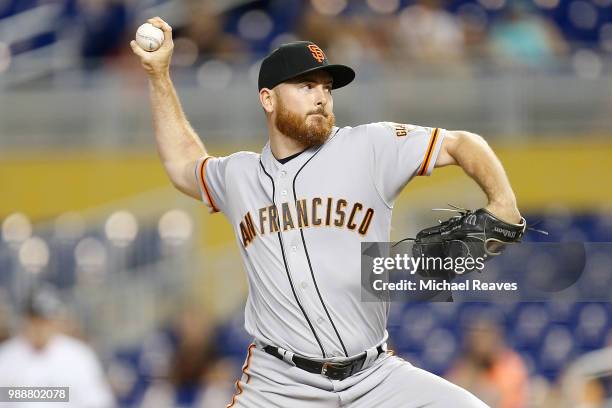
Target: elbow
[(466, 148), (185, 188), (182, 177), (177, 185), (174, 172), (464, 137), (176, 182), (463, 142), (478, 140), (455, 140)]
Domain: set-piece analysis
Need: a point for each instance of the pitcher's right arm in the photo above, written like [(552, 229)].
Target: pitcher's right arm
[(178, 145)]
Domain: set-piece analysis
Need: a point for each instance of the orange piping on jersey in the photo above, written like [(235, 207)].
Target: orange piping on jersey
[(206, 190), (430, 149), (248, 377)]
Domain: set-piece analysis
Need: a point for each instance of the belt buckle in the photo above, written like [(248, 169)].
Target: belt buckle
[(335, 365)]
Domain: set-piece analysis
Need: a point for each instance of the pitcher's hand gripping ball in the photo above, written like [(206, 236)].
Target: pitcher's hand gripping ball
[(149, 37)]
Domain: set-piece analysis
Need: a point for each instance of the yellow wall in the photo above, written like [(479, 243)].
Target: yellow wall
[(47, 183), (576, 175)]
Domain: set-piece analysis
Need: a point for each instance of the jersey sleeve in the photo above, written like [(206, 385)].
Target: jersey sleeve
[(401, 152), (210, 173)]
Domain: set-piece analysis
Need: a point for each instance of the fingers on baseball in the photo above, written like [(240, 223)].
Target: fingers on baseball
[(156, 21), (165, 27), (161, 24), (136, 49)]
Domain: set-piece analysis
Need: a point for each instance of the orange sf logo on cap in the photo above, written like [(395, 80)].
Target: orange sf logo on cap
[(316, 52)]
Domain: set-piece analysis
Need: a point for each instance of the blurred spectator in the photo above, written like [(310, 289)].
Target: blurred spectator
[(195, 371), (205, 29), (473, 21), (428, 33), (4, 326), (319, 28), (349, 38), (4, 315), (588, 380), (524, 38), (195, 352), (489, 368), (432, 31), (104, 24), (218, 386), (41, 356)]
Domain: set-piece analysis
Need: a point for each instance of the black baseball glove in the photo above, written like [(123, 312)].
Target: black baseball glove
[(478, 235)]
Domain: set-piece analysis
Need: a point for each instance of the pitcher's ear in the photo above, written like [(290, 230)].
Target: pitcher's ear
[(266, 98)]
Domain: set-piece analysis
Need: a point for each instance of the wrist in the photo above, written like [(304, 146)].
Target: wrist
[(506, 210), (506, 200), (159, 77), (508, 203)]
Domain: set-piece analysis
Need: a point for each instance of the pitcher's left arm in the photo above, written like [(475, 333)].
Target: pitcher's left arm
[(474, 155)]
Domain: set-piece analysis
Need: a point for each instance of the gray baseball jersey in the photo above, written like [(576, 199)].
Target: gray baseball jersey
[(299, 227)]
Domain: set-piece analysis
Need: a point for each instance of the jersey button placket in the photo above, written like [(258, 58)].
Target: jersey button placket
[(298, 264)]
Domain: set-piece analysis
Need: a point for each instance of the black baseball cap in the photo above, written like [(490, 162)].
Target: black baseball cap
[(299, 57)]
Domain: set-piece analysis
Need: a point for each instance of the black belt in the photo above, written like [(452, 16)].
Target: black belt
[(332, 370)]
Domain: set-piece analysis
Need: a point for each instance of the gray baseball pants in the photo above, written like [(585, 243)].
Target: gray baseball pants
[(389, 382)]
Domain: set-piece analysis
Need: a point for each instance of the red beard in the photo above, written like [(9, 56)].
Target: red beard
[(295, 127)]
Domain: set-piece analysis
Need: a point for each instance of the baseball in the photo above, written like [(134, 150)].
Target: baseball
[(149, 37)]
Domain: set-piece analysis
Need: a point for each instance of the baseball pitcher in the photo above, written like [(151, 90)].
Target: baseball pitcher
[(300, 210)]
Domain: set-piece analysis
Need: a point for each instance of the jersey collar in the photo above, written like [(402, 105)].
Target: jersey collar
[(272, 165)]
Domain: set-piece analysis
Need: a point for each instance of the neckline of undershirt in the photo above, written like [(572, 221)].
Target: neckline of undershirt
[(288, 158)]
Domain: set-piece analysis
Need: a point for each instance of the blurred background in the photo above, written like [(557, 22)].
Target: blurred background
[(154, 287)]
